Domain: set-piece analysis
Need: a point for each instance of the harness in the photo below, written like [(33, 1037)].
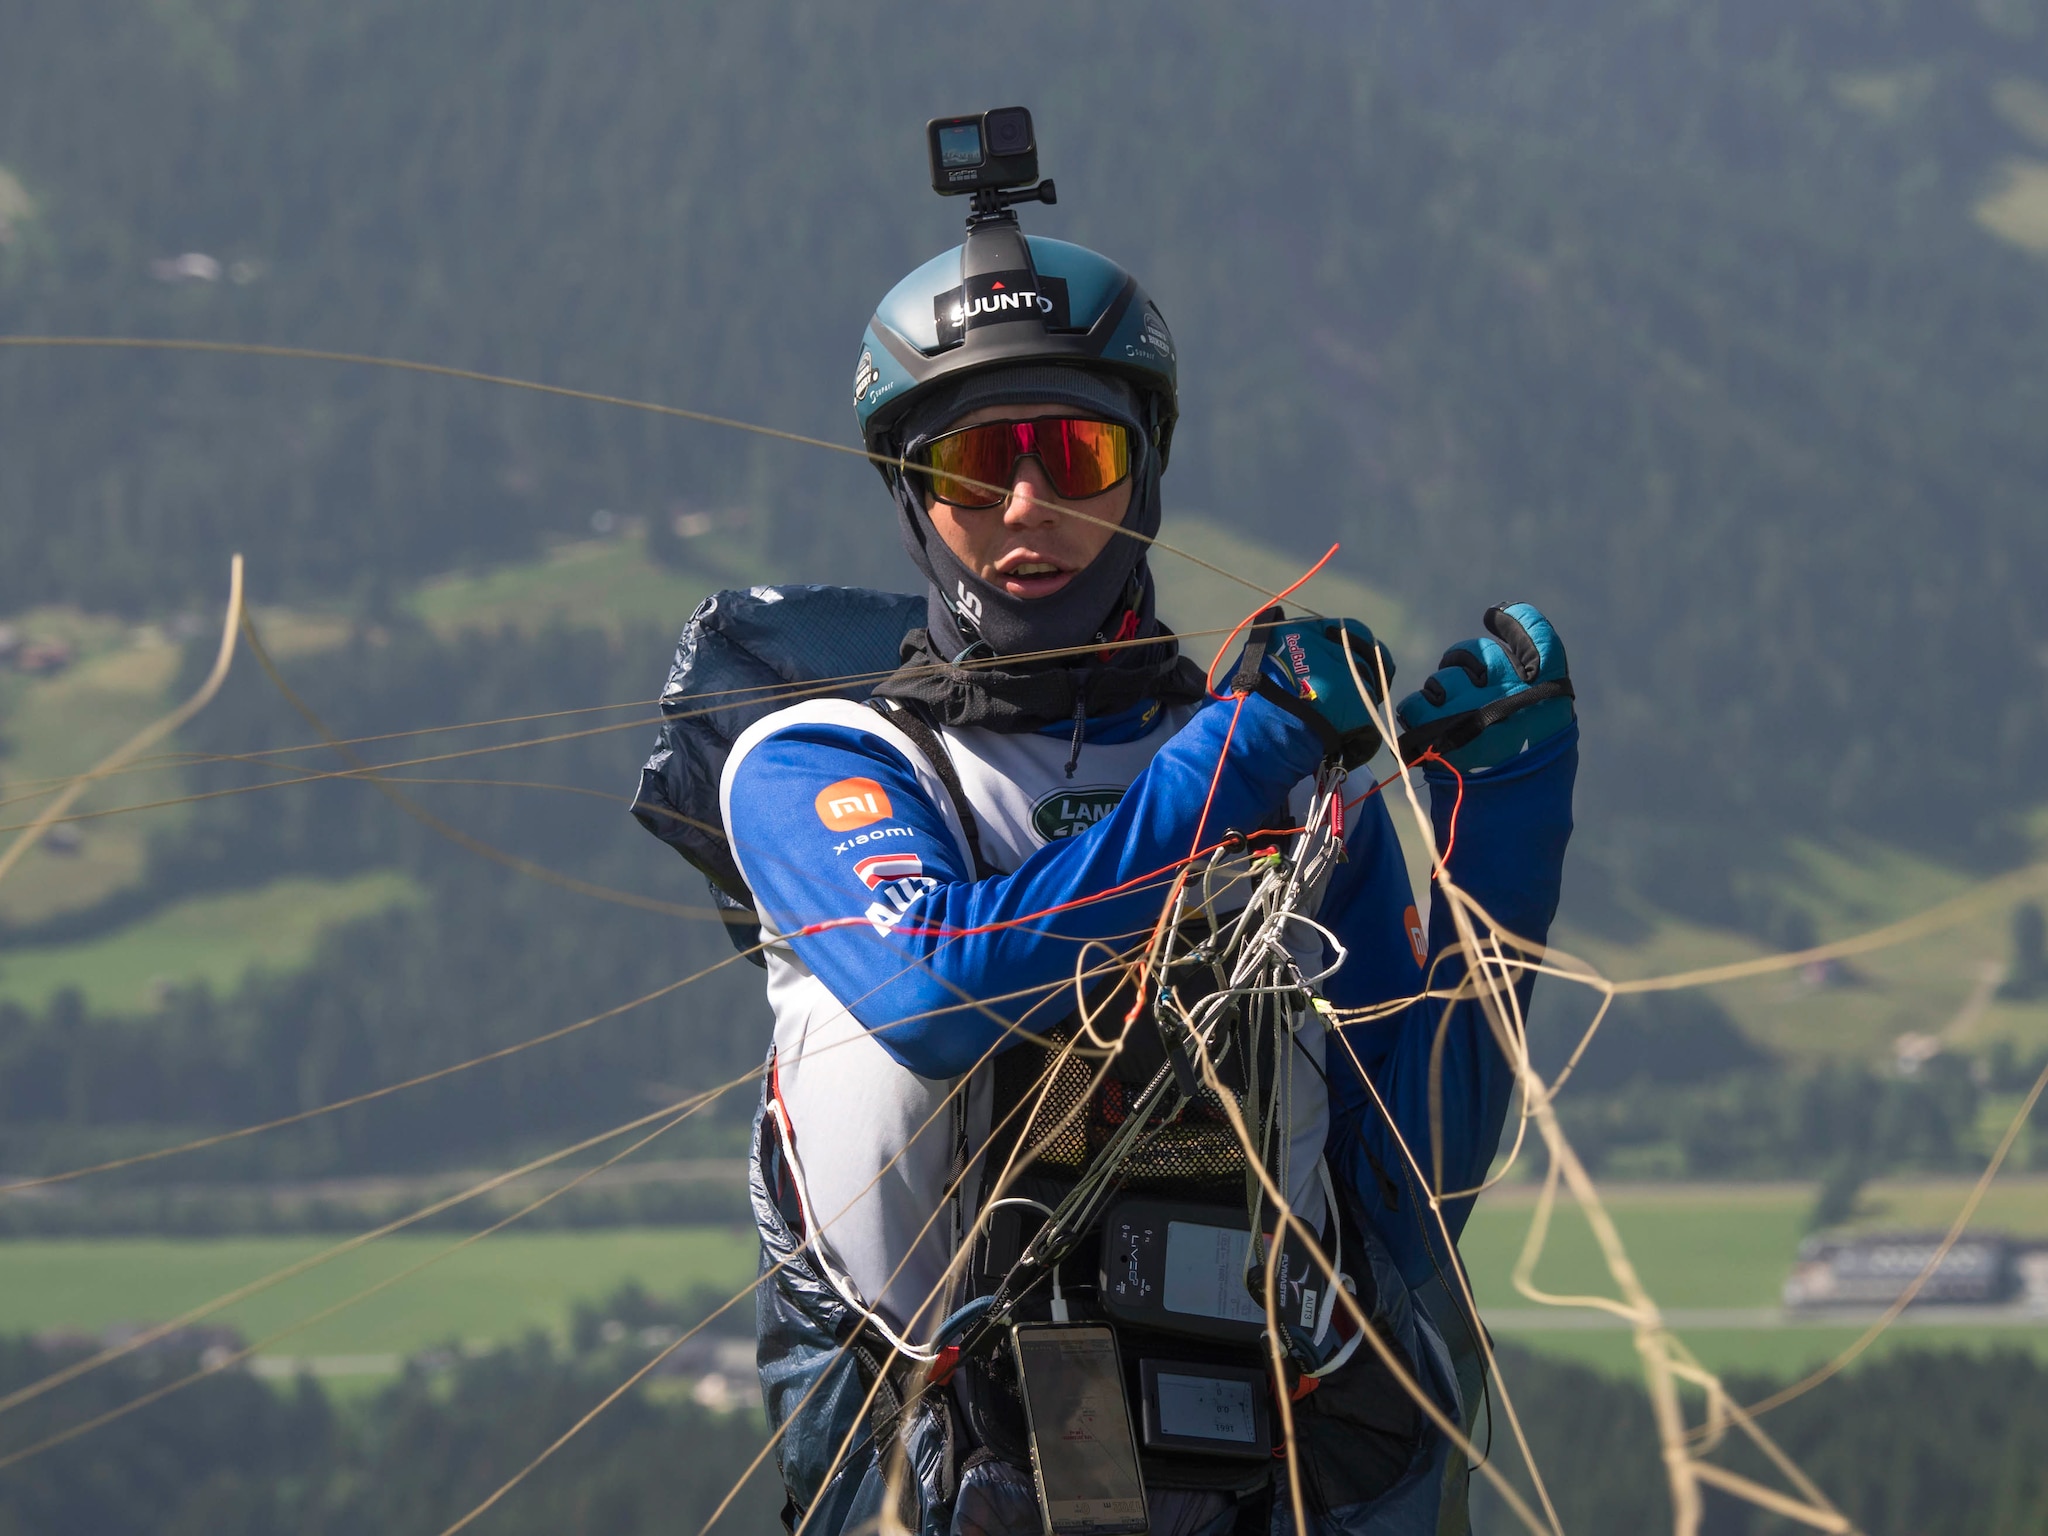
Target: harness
[(1113, 1184), (1112, 1157)]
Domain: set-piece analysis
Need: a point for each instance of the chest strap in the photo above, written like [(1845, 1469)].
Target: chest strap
[(912, 723)]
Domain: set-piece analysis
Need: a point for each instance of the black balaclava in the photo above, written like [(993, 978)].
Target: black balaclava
[(963, 610), (955, 667)]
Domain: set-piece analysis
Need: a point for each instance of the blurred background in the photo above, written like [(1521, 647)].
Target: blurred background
[(1718, 329)]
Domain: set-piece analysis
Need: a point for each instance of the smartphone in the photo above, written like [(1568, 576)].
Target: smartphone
[(1083, 1455)]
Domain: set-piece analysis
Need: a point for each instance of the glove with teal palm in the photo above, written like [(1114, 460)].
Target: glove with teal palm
[(1492, 698), (1300, 665)]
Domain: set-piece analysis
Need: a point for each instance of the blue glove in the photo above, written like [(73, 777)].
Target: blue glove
[(1299, 664), (1492, 698)]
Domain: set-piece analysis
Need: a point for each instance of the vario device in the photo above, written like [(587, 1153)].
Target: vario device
[(1206, 1408), (1189, 1269), (992, 156)]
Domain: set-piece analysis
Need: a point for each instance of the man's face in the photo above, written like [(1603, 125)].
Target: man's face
[(1027, 547)]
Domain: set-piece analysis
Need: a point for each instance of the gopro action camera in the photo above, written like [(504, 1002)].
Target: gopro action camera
[(984, 153), (993, 156)]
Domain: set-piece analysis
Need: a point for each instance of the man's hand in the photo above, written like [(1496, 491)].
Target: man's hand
[(1492, 698), (1300, 665)]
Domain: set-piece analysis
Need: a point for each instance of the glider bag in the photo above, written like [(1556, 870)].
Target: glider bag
[(745, 654)]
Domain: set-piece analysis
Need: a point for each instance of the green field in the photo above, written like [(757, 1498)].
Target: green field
[(493, 1291), (1701, 1251), (1714, 1256), (1722, 1249), (214, 939)]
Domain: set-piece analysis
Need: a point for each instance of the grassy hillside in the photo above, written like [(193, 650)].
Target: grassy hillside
[(609, 584), (1719, 344), (1931, 986), (123, 675), (54, 727), (213, 891), (211, 940)]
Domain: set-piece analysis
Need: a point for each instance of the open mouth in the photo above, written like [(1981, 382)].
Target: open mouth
[(1032, 578)]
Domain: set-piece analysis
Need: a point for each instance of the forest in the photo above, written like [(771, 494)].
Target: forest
[(238, 1457), (1724, 369)]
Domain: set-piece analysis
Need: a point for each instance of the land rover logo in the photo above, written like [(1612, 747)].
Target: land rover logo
[(1067, 811)]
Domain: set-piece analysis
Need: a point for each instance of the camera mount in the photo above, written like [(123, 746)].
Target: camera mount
[(992, 203)]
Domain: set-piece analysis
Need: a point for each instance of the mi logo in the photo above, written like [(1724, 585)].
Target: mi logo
[(851, 804)]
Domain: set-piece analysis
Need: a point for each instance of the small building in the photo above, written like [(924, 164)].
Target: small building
[(1873, 1270), (2032, 1264)]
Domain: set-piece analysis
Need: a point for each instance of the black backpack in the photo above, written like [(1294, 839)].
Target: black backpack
[(744, 654)]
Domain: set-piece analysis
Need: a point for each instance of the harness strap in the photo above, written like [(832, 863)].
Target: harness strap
[(911, 722)]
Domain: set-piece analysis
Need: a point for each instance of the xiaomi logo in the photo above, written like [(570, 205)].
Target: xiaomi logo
[(1418, 940), (851, 804)]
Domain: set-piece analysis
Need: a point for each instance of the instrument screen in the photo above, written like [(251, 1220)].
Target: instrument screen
[(1082, 1449), (1205, 1273)]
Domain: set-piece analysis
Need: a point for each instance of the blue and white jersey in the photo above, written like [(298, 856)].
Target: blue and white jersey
[(835, 815)]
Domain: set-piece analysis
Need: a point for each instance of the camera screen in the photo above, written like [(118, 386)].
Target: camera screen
[(960, 145)]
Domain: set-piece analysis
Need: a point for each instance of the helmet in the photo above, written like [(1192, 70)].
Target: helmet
[(1004, 298)]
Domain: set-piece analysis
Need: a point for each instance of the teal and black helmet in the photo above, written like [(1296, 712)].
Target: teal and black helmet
[(1002, 299)]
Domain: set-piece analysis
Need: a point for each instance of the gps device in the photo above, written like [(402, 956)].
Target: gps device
[(1182, 1268), (992, 155), (1216, 1410), (1083, 1457)]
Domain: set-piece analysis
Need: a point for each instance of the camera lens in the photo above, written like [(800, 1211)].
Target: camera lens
[(1009, 131)]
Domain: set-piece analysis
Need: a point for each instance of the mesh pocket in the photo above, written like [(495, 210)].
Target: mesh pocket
[(1067, 1128)]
